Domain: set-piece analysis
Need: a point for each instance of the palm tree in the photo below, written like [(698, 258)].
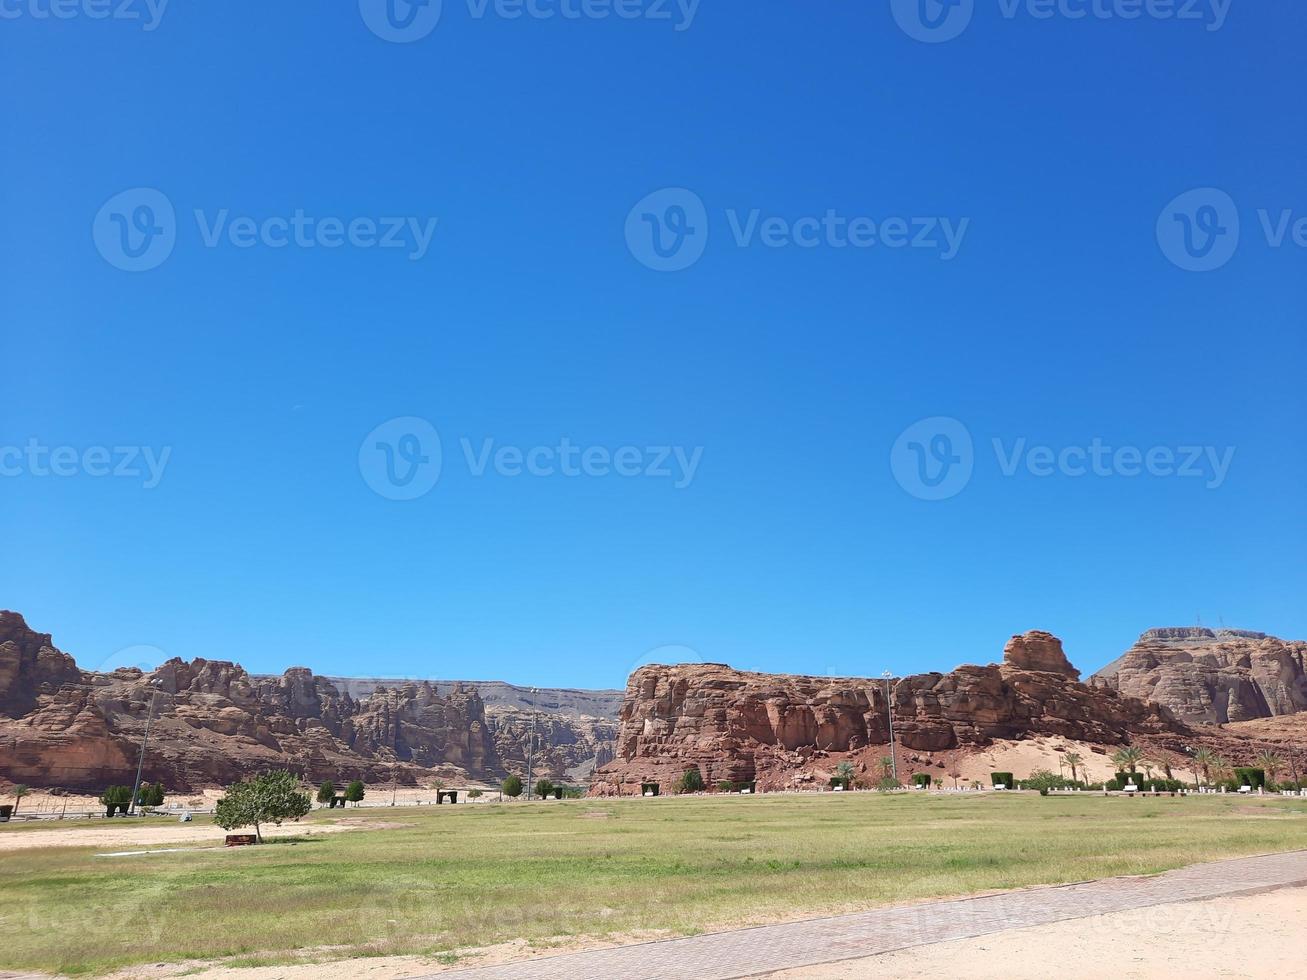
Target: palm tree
[(1072, 760), (1148, 768), (1205, 761), (1269, 763), (1221, 768), (19, 792), (1128, 757)]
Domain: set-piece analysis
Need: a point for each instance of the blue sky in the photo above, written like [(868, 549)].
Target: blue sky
[(794, 361)]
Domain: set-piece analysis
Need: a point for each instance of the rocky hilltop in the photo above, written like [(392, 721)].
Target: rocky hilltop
[(1210, 676), (214, 722), (741, 726), (567, 702)]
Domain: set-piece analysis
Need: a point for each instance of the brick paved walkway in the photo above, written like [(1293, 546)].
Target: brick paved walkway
[(748, 952)]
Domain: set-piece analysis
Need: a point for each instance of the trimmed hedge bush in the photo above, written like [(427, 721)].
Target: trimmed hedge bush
[(1002, 779), (921, 779)]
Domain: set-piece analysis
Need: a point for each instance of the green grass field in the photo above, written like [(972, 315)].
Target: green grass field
[(476, 875)]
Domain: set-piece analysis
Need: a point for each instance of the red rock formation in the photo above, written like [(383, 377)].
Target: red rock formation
[(1213, 676), (740, 726), (214, 723)]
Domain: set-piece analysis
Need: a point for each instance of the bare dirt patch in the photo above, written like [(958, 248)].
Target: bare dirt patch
[(122, 835)]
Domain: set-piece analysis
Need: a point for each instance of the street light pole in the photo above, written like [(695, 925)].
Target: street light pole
[(140, 763), (889, 708), (530, 744)]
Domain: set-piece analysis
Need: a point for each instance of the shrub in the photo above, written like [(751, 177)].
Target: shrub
[(512, 786), (1043, 780), (151, 794), (1002, 779), (845, 781), (116, 796), (544, 788), (327, 791), (691, 782), (270, 797), (573, 792), (888, 783), (725, 786), (921, 779), (474, 794), (354, 792)]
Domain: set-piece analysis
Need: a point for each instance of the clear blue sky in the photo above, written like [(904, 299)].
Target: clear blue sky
[(531, 318)]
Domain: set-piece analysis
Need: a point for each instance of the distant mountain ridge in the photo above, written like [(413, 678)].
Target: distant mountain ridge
[(213, 723), (566, 701)]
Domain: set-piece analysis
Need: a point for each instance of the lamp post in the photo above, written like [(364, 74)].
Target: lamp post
[(530, 744), (140, 762), (889, 708)]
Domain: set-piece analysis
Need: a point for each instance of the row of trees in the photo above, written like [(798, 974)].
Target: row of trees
[(354, 792)]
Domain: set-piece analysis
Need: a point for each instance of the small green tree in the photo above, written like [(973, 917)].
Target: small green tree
[(1043, 780), (475, 794), (115, 796), (19, 792), (151, 795), (327, 791), (270, 797), (354, 792), (691, 782), (544, 788), (512, 786), (725, 786)]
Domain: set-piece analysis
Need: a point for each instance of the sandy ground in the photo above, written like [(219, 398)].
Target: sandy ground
[(1024, 757), (125, 835), (1193, 939)]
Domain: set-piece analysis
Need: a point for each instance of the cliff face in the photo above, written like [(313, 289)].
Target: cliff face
[(740, 726), (214, 723), (1214, 676)]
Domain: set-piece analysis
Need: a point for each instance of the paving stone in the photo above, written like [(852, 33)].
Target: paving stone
[(748, 952)]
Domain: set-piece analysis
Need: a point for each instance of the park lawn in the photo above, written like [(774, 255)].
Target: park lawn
[(475, 875)]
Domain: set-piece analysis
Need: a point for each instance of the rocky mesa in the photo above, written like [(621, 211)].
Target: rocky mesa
[(741, 726), (214, 723), (1207, 676)]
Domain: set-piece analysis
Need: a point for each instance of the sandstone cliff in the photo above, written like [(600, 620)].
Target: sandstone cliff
[(740, 726), (1213, 676), (213, 723)]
